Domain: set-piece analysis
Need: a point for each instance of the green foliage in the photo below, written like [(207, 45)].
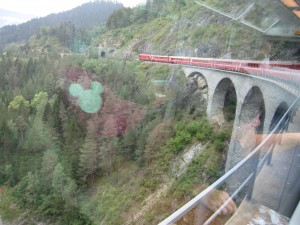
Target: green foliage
[(95, 66), (107, 205), (39, 138), (229, 112), (186, 131), (9, 175), (130, 80), (7, 212), (120, 18), (220, 138), (64, 33), (150, 183), (57, 200), (203, 169), (28, 190), (58, 179), (18, 103), (73, 216), (49, 161), (88, 163), (38, 99), (180, 141), (206, 167), (7, 136)]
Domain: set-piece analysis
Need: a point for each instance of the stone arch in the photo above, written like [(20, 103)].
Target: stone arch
[(252, 106), (280, 110), (249, 122), (195, 74), (223, 97), (230, 103), (102, 54)]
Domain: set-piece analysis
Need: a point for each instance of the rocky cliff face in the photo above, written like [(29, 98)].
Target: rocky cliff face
[(195, 94)]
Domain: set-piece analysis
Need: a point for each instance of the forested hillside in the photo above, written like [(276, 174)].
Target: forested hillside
[(185, 28), (82, 18), (72, 167), (86, 139)]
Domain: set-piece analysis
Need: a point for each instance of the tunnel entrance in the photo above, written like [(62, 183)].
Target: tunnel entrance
[(102, 54)]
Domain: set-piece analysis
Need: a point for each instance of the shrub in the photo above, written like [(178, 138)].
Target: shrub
[(219, 145), (204, 134), (180, 141), (194, 127), (219, 140), (149, 183)]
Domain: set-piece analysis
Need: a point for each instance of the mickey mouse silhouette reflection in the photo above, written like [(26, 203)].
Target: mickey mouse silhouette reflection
[(89, 100)]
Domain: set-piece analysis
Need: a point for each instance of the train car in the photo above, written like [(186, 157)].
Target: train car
[(283, 64), (279, 69), (154, 58), (180, 60), (160, 58), (203, 62), (227, 64), (145, 57)]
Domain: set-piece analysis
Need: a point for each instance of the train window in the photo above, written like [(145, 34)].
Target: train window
[(149, 112)]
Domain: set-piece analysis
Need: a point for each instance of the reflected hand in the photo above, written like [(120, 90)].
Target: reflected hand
[(216, 199)]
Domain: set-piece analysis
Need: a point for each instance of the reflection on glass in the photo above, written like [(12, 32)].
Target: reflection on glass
[(170, 112)]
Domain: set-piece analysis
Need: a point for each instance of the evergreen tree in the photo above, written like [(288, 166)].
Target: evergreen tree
[(9, 174), (73, 141), (38, 98), (21, 126), (88, 155), (40, 136), (7, 138), (58, 180), (129, 144), (27, 191), (107, 153), (50, 160)]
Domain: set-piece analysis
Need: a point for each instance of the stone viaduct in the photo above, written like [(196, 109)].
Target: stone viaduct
[(251, 92)]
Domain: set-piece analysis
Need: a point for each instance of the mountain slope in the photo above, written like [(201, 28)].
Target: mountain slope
[(192, 30), (84, 16)]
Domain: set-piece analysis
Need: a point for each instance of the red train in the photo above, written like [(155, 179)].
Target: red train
[(279, 69)]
